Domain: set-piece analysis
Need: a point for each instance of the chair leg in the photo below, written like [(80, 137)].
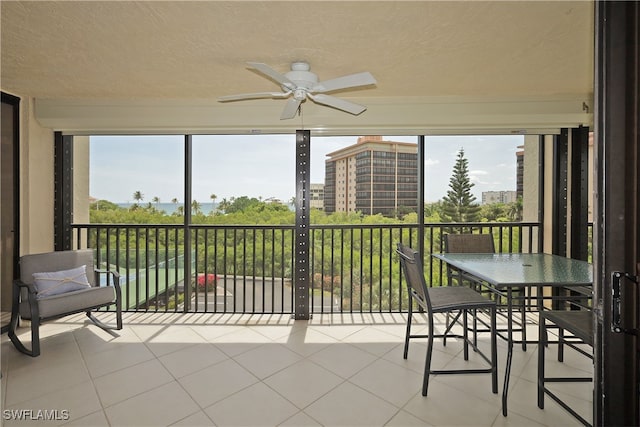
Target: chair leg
[(35, 326), (118, 315), (465, 334), (475, 329), (524, 318), (35, 337), (118, 306), (408, 333), (102, 325), (494, 350), (427, 363), (560, 345), (541, 348), (448, 324)]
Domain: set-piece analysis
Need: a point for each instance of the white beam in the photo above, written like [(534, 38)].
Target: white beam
[(384, 116)]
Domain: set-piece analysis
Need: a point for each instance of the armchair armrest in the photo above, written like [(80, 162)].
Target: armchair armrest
[(30, 287), (116, 287), (32, 293), (114, 274)]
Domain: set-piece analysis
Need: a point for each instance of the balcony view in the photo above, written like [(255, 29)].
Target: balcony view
[(319, 213), (240, 256)]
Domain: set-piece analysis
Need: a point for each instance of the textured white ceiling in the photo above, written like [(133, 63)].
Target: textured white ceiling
[(177, 49), (159, 66)]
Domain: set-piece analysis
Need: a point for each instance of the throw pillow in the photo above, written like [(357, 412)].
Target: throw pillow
[(59, 282)]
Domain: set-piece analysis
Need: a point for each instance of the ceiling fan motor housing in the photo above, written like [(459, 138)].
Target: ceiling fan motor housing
[(301, 76)]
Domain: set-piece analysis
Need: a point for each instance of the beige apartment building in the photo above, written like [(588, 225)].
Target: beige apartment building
[(372, 176), (505, 196), (317, 196)]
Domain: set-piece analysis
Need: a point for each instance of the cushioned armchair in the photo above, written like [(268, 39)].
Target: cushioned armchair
[(56, 284)]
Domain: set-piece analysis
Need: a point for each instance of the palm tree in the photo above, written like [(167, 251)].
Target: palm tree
[(223, 205), (515, 210), (155, 200), (213, 198), (195, 207), (138, 196), (178, 211)]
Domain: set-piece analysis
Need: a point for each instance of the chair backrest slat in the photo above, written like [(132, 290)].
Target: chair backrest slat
[(414, 275), (469, 243)]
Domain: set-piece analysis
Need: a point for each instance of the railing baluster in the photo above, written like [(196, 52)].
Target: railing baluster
[(351, 273), (167, 271), (215, 269), (146, 268), (341, 299), (332, 272)]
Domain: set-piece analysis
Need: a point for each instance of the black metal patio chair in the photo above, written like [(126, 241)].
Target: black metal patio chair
[(445, 299), (575, 327), (479, 244)]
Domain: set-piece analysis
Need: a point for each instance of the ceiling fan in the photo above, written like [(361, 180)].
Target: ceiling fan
[(303, 84)]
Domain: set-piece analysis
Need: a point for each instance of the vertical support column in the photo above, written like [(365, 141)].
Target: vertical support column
[(579, 192), (63, 191), (10, 196), (188, 139), (541, 194), (301, 250), (560, 186), (421, 172)]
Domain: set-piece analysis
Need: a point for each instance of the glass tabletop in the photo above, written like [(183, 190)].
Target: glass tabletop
[(522, 269)]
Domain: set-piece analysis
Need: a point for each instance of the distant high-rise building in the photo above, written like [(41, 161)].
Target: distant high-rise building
[(520, 171), (372, 176), (499, 197), (317, 196)]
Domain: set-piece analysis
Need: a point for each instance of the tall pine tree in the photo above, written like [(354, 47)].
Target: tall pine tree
[(459, 204)]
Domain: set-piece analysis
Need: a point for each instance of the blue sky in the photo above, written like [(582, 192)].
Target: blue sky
[(263, 165)]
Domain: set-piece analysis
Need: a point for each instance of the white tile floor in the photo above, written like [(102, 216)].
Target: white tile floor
[(203, 370)]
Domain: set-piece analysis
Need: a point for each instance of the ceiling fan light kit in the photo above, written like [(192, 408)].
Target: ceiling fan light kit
[(302, 84)]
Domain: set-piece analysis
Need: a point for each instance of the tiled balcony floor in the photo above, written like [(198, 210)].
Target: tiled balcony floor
[(201, 370)]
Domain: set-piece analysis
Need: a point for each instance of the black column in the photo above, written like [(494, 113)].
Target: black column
[(421, 173), (188, 145), (579, 206), (560, 186), (301, 251), (63, 191)]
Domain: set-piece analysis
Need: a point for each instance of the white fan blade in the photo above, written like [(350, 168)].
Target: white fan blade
[(256, 95), (352, 80), (340, 104), (273, 74), (290, 109)]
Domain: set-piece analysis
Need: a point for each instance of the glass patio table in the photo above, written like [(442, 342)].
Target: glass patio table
[(505, 273)]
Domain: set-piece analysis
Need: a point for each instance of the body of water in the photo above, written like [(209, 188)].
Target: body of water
[(170, 208)]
